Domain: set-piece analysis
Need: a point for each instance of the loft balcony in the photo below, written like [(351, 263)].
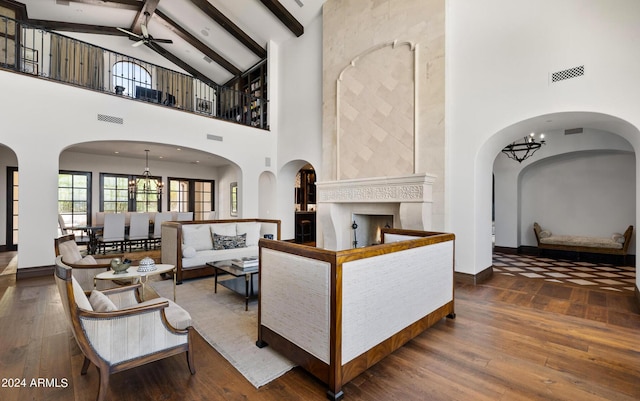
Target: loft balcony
[(30, 50)]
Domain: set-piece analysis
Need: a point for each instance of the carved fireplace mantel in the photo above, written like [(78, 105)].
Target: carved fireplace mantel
[(408, 198)]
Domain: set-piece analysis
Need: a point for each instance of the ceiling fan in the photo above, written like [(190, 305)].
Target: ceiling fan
[(145, 38)]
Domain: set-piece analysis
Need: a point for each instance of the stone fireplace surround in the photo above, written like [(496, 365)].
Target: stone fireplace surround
[(407, 198)]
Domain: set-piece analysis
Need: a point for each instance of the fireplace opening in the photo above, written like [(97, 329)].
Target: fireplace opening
[(366, 228)]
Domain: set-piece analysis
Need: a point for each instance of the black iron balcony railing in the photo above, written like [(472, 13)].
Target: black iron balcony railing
[(32, 50)]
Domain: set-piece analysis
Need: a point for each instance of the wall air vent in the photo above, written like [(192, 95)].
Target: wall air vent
[(567, 74), (573, 131), (267, 162), (62, 2), (110, 119)]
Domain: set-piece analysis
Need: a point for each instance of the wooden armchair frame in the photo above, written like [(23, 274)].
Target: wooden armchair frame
[(86, 272), (89, 329)]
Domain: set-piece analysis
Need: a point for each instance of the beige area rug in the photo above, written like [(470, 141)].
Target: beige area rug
[(222, 321)]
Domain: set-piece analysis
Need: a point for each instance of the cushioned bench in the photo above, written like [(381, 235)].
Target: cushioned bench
[(617, 244)]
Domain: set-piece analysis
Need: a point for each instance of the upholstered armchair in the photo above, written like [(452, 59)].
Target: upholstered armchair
[(84, 268), (115, 331)]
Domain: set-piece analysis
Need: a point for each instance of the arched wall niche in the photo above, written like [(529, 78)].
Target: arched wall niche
[(376, 112)]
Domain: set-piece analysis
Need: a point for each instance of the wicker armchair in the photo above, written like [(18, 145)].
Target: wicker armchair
[(118, 338)]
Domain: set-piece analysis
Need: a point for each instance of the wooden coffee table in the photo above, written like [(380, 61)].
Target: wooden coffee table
[(225, 266)]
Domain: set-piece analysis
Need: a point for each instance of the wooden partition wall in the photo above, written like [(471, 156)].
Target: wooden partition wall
[(337, 313)]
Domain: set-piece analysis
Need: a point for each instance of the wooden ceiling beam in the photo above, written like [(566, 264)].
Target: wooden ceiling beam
[(74, 27), (193, 41), (133, 5), (148, 8), (285, 16), (230, 27)]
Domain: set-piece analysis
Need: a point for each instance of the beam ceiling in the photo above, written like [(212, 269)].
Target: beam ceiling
[(284, 16), (230, 27)]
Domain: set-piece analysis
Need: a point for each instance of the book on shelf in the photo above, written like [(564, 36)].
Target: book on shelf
[(245, 262)]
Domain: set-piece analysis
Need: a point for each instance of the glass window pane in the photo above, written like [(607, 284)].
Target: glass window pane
[(80, 181)]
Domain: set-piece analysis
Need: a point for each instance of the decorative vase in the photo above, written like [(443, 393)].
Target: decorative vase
[(120, 267)]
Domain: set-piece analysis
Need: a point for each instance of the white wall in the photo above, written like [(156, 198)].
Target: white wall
[(584, 193), (299, 116), (498, 90), (50, 117)]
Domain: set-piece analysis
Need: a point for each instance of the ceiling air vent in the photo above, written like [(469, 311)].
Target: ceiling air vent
[(207, 59), (573, 131), (212, 137), (110, 119), (567, 74)]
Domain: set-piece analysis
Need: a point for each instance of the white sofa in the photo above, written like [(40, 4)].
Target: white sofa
[(189, 245)]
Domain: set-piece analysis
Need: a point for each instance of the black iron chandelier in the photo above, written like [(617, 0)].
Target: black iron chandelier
[(520, 151), (145, 185)]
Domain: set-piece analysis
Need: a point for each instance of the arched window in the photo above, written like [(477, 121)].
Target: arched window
[(128, 75)]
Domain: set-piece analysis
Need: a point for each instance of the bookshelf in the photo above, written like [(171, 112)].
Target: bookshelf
[(252, 87)]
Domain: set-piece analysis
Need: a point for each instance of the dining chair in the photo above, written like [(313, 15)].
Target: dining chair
[(62, 225), (159, 218), (138, 230), (99, 219), (113, 231), (184, 216)]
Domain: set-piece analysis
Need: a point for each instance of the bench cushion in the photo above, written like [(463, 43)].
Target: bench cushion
[(588, 242)]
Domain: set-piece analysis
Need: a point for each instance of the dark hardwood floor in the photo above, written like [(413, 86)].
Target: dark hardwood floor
[(513, 339)]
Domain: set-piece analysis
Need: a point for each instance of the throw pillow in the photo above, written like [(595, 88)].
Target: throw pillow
[(545, 234), (87, 260), (229, 242), (617, 237), (189, 252), (70, 252), (100, 302), (198, 236), (81, 299)]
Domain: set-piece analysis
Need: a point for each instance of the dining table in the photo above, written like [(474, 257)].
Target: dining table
[(94, 231)]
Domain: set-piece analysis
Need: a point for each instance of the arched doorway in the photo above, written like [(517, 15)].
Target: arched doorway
[(305, 205), (9, 204), (604, 137)]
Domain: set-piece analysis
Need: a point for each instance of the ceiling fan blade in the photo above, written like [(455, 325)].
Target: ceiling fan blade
[(129, 32), (161, 40), (138, 43), (145, 32)]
